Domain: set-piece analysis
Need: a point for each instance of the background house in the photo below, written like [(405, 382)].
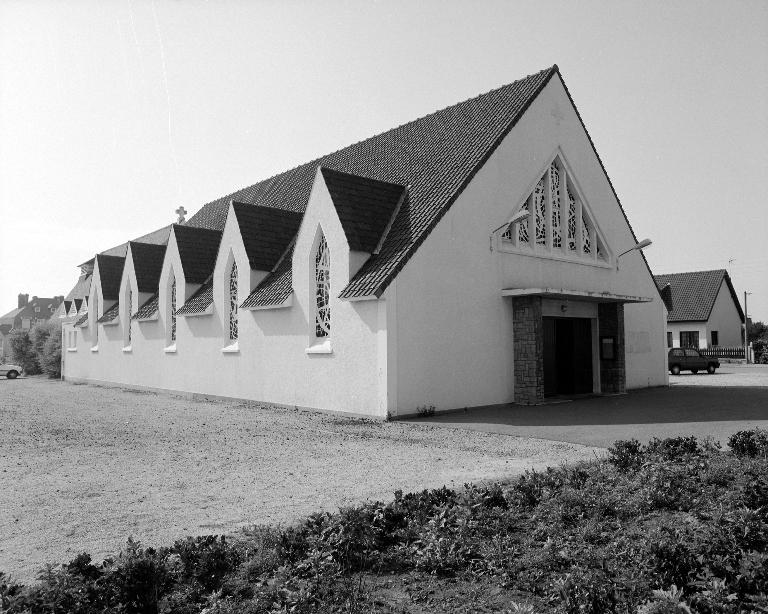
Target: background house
[(704, 310), (25, 316)]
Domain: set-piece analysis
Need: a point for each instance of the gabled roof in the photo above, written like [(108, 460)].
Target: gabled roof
[(110, 274), (110, 315), (147, 264), (148, 310), (275, 288), (156, 237), (266, 232), (78, 303), (693, 294), (82, 320), (198, 248), (436, 156), (82, 288), (200, 301), (11, 315), (365, 206)]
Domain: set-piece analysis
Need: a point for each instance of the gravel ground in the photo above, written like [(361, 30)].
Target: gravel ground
[(83, 467), (729, 374)]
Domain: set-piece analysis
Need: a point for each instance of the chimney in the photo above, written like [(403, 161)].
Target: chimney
[(59, 299), (34, 299), (23, 300)]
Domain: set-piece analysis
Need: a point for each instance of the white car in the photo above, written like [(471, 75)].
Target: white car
[(10, 371)]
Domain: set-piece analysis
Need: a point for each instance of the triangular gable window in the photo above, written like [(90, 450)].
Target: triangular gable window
[(556, 212)]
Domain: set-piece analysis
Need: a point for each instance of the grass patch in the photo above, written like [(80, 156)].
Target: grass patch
[(677, 525)]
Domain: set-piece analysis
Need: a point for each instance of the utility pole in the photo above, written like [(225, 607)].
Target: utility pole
[(746, 328)]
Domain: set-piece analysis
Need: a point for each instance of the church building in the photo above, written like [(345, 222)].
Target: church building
[(478, 255)]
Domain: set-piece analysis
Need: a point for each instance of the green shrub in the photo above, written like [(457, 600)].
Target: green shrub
[(749, 443), (626, 454), (23, 352)]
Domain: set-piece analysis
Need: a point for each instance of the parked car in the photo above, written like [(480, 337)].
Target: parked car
[(10, 371), (689, 359)]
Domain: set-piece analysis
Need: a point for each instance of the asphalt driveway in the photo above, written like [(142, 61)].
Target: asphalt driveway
[(703, 405)]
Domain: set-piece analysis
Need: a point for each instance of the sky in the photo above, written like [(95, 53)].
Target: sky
[(112, 114)]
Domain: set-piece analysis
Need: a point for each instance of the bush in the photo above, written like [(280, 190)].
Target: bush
[(46, 338), (749, 443), (626, 454), (23, 352)]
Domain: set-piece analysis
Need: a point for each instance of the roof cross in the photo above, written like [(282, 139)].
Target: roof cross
[(181, 212)]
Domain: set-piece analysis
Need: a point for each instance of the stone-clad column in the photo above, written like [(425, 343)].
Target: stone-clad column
[(528, 331), (613, 375)]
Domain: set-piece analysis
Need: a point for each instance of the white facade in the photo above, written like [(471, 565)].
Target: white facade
[(441, 335)]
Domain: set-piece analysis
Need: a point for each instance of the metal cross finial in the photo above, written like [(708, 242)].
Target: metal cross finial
[(181, 212)]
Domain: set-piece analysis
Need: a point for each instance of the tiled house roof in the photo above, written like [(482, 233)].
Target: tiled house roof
[(266, 232), (110, 273), (82, 288), (436, 156), (692, 295), (275, 288), (156, 237), (200, 301), (198, 248), (147, 264), (82, 320), (148, 311), (365, 206), (110, 314)]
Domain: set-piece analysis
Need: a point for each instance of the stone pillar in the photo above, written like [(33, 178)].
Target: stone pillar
[(613, 375), (528, 331)]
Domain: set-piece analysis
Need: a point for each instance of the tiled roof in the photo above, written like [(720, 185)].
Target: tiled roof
[(198, 248), (156, 237), (78, 303), (147, 264), (364, 206), (266, 232), (110, 273), (82, 288), (11, 315), (200, 301), (693, 294), (436, 156), (82, 320), (110, 314), (275, 288), (148, 310)]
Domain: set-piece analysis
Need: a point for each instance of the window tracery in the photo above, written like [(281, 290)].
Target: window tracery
[(563, 227), (128, 311), (322, 289), (233, 303), (173, 310)]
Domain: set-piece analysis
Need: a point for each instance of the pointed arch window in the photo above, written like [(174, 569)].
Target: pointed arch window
[(233, 302), (322, 289), (128, 311), (560, 224), (173, 311)]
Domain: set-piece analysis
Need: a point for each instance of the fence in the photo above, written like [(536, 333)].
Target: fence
[(720, 352)]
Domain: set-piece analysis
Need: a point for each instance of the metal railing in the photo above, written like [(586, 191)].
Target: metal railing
[(722, 352)]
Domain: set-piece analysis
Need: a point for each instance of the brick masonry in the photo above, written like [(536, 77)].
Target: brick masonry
[(528, 332), (613, 376)]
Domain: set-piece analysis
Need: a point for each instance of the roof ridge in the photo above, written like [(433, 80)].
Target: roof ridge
[(316, 160), (725, 271)]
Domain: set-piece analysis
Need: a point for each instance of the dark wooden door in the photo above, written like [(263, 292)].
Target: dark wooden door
[(567, 356)]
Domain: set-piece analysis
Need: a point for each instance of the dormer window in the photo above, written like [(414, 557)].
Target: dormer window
[(173, 311), (322, 289), (560, 224)]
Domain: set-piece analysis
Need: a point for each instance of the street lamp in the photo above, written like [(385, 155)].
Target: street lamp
[(642, 244), (520, 215)]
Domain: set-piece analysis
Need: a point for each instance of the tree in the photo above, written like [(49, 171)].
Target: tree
[(50, 360), (757, 330), (23, 352)]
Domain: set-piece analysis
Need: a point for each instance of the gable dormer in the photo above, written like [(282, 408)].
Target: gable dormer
[(195, 255), (105, 287)]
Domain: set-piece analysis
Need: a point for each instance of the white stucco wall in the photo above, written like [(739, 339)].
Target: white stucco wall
[(725, 319), (271, 363), (454, 329)]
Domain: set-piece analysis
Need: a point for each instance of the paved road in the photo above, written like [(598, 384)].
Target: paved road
[(739, 401)]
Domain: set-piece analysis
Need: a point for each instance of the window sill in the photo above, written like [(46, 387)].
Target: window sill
[(127, 349), (71, 349), (95, 348), (234, 348), (322, 347), (171, 349)]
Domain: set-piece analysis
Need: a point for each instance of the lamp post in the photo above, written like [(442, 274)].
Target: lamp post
[(640, 245), (746, 329), (520, 215)]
